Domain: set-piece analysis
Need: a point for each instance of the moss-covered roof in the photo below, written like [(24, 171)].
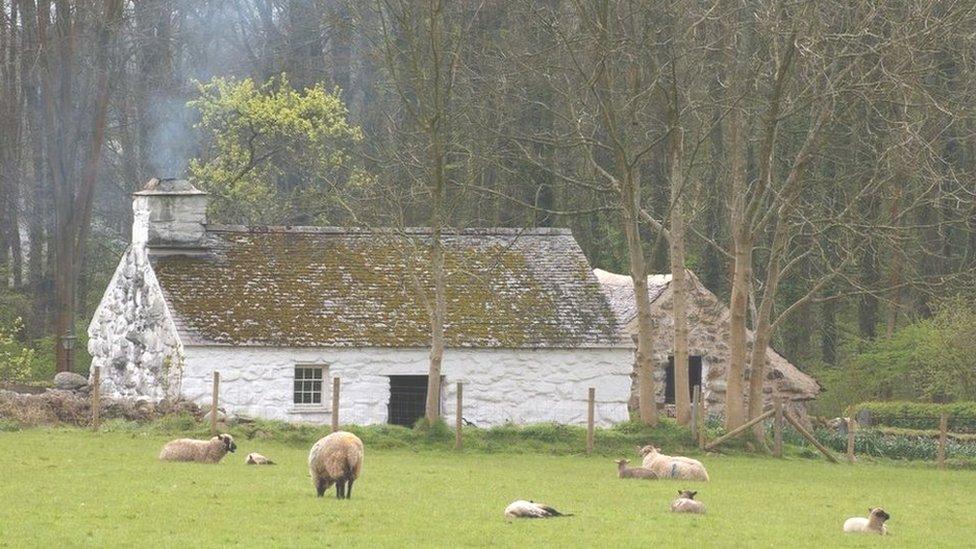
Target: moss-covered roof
[(313, 287)]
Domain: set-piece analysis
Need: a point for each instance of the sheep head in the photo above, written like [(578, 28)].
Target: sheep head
[(228, 441)]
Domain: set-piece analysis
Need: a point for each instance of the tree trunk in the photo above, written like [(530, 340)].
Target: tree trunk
[(679, 288), (645, 329)]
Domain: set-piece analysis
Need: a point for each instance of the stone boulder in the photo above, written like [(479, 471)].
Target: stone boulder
[(70, 381)]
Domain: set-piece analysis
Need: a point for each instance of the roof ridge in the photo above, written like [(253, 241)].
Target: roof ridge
[(311, 229)]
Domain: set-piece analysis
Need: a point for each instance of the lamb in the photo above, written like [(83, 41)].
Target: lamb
[(873, 524), (336, 459), (677, 467), (255, 458), (530, 509), (202, 451), (633, 472), (686, 503)]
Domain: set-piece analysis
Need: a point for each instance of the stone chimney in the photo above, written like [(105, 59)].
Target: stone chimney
[(169, 214)]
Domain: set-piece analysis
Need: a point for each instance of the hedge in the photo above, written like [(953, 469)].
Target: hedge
[(921, 415)]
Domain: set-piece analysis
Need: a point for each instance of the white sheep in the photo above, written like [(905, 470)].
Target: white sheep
[(530, 509), (873, 524), (633, 472), (676, 467), (203, 451), (336, 459), (255, 458), (686, 503)]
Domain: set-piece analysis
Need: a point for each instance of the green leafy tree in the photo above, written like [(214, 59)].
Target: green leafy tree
[(273, 154), (15, 359)]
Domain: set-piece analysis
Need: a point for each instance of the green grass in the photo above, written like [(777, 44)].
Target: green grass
[(70, 487)]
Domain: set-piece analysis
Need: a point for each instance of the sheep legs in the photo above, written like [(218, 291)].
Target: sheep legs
[(321, 485), (340, 489), (349, 489)]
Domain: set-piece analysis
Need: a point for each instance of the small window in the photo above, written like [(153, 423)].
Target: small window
[(308, 385)]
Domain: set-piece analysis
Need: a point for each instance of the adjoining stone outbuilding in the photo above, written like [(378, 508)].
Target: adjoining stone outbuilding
[(708, 350), (280, 311)]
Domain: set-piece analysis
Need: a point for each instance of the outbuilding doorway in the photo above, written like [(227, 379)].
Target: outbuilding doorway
[(694, 377), (408, 397)]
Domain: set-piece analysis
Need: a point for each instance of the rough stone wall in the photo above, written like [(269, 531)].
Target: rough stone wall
[(132, 336), (708, 334), (518, 386)]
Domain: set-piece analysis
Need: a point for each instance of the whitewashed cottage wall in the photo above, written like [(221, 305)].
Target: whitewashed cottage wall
[(500, 385)]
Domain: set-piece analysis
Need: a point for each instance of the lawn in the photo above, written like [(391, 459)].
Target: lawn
[(69, 487)]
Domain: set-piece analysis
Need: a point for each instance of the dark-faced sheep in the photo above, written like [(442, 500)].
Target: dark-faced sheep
[(255, 458), (686, 503), (202, 451), (873, 524), (530, 509), (336, 459), (634, 472), (676, 467)]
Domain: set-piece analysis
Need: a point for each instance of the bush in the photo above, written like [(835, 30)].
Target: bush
[(922, 415)]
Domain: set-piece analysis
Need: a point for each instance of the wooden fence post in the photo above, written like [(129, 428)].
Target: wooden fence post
[(702, 416), (851, 427), (807, 435), (591, 402), (778, 427), (96, 396), (695, 397), (458, 420), (739, 430), (214, 400), (335, 404), (943, 428)]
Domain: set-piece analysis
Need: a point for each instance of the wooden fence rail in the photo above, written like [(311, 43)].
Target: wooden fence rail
[(214, 401)]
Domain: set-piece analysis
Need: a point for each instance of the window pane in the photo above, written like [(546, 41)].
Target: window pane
[(317, 386), (297, 399), (316, 373), (317, 398)]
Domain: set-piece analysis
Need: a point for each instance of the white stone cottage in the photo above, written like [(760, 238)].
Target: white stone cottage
[(280, 311), (708, 336)]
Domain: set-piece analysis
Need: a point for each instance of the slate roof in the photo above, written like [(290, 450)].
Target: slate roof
[(342, 287)]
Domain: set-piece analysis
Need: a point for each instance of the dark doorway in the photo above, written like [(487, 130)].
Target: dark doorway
[(408, 398), (694, 377)]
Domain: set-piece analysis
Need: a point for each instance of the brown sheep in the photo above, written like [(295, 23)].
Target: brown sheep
[(634, 472), (202, 451), (336, 459)]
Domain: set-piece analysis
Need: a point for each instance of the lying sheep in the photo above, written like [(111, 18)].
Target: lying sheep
[(530, 509), (686, 503), (677, 467), (633, 472), (874, 524), (336, 459), (203, 451), (255, 458)]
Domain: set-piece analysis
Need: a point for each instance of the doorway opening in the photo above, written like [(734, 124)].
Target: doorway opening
[(694, 377), (408, 399)]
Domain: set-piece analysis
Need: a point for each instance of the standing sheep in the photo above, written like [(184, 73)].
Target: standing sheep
[(633, 472), (202, 451), (677, 467), (686, 503), (874, 524), (336, 459)]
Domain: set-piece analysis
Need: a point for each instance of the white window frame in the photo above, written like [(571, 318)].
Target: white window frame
[(324, 388)]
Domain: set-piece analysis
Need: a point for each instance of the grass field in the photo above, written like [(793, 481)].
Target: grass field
[(68, 487)]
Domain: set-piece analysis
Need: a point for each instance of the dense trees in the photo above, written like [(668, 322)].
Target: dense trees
[(813, 163)]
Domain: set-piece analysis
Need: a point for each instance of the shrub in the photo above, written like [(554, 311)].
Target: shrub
[(15, 359)]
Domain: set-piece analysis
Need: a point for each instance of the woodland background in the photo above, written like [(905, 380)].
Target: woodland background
[(833, 141)]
